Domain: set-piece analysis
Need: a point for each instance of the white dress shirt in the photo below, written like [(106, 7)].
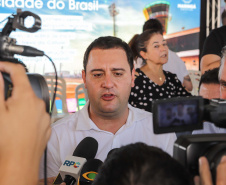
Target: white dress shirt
[(69, 131)]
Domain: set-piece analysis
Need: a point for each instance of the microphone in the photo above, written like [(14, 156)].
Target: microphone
[(89, 171), (71, 167), (23, 50)]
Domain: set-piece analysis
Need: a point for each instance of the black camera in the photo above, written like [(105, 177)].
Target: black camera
[(187, 114), (8, 48), (188, 149)]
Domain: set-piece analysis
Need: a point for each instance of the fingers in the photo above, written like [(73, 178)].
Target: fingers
[(197, 180), (17, 74), (221, 169), (2, 95), (204, 171)]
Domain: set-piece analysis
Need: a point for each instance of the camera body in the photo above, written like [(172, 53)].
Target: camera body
[(178, 114), (188, 149), (187, 114)]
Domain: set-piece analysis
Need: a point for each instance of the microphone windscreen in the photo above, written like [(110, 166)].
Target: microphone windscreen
[(87, 148), (91, 165), (89, 171)]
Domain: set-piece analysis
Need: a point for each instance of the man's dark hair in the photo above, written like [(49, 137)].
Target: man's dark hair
[(108, 42), (140, 164), (210, 77), (153, 24)]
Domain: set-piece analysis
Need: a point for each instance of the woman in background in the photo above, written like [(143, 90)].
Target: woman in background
[(152, 82)]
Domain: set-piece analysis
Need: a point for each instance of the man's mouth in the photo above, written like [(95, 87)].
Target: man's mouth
[(108, 97)]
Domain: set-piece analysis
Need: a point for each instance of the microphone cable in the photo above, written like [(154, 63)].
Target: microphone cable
[(6, 18), (50, 113)]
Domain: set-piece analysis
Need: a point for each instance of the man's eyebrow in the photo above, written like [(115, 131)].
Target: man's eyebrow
[(94, 70), (113, 69), (118, 69)]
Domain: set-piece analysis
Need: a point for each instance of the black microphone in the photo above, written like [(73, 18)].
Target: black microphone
[(72, 165), (89, 171), (23, 50)]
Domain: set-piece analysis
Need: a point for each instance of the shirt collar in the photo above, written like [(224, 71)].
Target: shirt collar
[(85, 123)]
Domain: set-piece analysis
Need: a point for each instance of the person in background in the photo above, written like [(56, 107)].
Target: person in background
[(209, 85), (174, 63), (222, 74), (223, 18), (216, 40), (24, 129), (208, 127), (152, 82)]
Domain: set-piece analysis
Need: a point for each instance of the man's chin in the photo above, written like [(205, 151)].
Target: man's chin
[(109, 110)]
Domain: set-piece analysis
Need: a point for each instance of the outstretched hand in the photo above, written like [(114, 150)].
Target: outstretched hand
[(205, 177), (24, 128)]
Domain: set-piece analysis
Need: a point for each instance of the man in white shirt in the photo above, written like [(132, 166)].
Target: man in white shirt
[(108, 76)]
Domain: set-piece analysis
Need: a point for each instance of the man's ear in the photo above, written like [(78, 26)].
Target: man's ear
[(84, 77)]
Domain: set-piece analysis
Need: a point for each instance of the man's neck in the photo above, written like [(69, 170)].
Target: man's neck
[(109, 123)]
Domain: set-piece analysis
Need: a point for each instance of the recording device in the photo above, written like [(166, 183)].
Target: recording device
[(186, 114), (188, 149), (71, 167), (8, 48), (89, 171)]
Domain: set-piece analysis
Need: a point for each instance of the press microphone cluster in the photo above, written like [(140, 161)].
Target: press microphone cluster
[(82, 164)]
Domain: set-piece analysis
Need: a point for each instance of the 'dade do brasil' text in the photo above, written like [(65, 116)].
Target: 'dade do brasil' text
[(91, 5)]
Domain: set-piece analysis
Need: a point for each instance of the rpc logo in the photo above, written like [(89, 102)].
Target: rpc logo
[(70, 163)]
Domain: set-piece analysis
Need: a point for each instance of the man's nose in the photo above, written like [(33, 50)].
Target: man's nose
[(108, 81)]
